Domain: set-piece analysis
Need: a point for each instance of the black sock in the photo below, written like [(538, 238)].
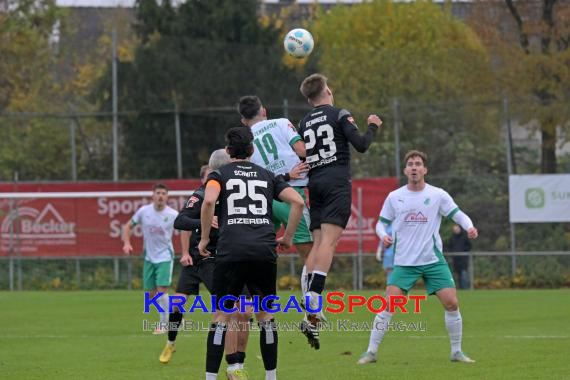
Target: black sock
[(241, 357), (174, 318), (318, 283), (268, 344), (232, 358), (215, 348)]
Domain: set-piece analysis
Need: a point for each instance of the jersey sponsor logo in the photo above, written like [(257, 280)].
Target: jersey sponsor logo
[(191, 201), (156, 230), (323, 162), (248, 221), (415, 218)]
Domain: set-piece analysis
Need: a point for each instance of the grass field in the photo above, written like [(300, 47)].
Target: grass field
[(98, 335)]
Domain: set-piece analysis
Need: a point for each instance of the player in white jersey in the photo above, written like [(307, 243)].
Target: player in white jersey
[(415, 213), (157, 222), (278, 148)]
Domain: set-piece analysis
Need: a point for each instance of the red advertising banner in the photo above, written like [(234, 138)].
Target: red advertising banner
[(88, 222)]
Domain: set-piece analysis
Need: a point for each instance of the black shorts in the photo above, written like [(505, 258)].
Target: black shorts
[(230, 278), (329, 203), (192, 275)]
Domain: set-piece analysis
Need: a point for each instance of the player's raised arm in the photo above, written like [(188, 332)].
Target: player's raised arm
[(360, 142), (211, 195)]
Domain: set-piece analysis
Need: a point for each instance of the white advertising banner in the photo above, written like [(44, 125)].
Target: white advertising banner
[(539, 198)]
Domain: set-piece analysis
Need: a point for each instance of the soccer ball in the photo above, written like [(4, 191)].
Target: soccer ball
[(298, 43)]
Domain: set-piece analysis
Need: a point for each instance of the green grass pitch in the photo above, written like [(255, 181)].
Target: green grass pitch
[(99, 335)]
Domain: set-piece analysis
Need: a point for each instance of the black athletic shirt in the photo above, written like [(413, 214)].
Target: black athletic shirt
[(327, 130), (189, 220), (246, 228)]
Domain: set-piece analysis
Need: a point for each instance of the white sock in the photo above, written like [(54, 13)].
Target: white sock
[(304, 283), (211, 376), (170, 342), (163, 302), (454, 325), (271, 375), (232, 367), (379, 327)]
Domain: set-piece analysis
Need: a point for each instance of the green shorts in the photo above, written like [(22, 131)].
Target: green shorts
[(436, 276), (159, 274), (281, 215)]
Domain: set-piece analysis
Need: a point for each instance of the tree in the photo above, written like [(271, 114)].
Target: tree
[(530, 41), (29, 146), (200, 55), (419, 55), (417, 62)]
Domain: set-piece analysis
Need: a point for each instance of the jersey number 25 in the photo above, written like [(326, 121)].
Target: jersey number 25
[(246, 190)]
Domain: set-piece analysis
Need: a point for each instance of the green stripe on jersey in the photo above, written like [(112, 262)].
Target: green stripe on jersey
[(295, 139), (438, 253), (384, 220), (452, 213)]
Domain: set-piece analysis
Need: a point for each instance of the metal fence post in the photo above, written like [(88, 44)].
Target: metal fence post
[(129, 273), (292, 271), (11, 273), (116, 268), (354, 272), (78, 272), (360, 237), (471, 271)]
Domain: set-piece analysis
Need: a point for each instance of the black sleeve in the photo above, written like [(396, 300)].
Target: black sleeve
[(216, 176), (350, 130), (189, 217), (285, 177), (278, 186)]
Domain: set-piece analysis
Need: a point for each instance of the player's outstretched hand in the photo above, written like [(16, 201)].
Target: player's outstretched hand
[(186, 260), (215, 222), (375, 119), (127, 248), (299, 171), (202, 248), (388, 241), (284, 243), (472, 233)]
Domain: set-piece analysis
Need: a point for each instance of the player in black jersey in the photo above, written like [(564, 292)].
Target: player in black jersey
[(246, 253), (327, 132), (198, 269)]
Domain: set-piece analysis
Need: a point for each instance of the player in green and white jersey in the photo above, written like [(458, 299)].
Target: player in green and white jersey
[(415, 211), (157, 222)]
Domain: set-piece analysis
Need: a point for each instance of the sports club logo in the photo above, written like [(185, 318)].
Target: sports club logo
[(30, 223), (415, 218), (368, 225), (534, 197)]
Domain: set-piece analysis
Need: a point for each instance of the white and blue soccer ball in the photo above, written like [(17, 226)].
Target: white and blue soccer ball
[(299, 43)]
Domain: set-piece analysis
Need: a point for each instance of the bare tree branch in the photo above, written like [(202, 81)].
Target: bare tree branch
[(548, 19), (522, 35)]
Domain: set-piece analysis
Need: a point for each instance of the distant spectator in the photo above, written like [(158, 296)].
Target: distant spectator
[(459, 242)]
